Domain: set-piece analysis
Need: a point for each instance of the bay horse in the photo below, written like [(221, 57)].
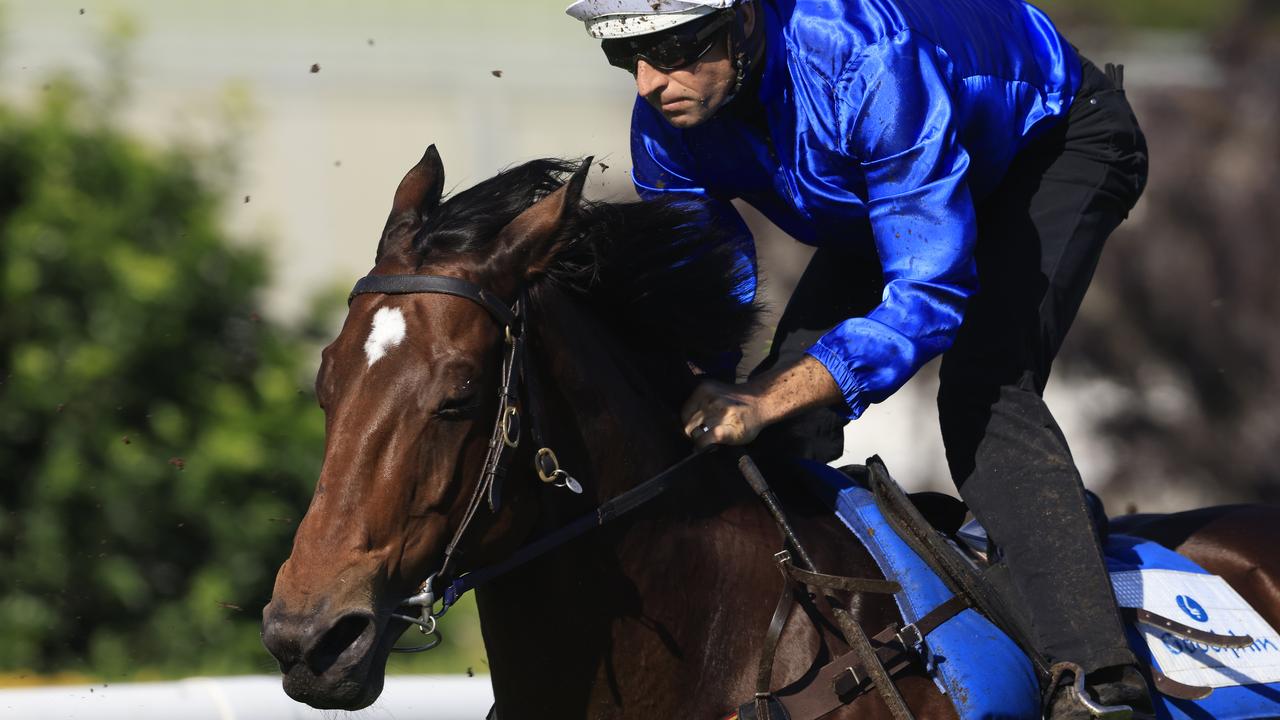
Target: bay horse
[(658, 615)]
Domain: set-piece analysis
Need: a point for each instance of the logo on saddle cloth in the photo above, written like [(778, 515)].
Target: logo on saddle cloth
[(1193, 609), (1210, 603)]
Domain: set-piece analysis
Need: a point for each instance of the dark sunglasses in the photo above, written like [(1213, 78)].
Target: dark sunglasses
[(669, 49)]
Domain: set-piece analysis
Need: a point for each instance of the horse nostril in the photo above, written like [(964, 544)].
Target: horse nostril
[(279, 641), (337, 640)]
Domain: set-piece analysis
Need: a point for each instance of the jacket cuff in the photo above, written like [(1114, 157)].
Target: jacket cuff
[(848, 382)]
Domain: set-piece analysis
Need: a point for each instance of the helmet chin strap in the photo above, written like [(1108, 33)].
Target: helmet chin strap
[(742, 52)]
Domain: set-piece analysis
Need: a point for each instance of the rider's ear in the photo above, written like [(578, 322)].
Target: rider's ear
[(528, 238), (419, 194)]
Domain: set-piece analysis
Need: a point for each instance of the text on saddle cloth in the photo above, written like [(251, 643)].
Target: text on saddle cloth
[(1244, 680)]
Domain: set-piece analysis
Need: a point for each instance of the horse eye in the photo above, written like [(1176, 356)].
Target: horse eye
[(461, 403)]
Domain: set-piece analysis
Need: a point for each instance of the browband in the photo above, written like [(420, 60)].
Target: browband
[(411, 284)]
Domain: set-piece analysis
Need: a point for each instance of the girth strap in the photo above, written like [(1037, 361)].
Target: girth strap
[(845, 678), (865, 665), (871, 665), (842, 680), (781, 612), (791, 575)]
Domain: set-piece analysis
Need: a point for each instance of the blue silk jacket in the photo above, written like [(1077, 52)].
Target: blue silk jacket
[(887, 120)]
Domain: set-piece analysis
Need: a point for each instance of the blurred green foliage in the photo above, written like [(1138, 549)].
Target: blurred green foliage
[(157, 446), (159, 437)]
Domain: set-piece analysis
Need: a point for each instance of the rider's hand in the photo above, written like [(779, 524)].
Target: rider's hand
[(723, 414)]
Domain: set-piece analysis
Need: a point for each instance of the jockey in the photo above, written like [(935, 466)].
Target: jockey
[(958, 167)]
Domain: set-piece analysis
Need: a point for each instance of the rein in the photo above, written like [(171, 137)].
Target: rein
[(505, 436), (843, 679)]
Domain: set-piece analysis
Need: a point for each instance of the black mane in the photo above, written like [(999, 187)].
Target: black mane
[(663, 271)]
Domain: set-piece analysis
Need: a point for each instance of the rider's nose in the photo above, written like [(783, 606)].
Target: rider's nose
[(649, 79)]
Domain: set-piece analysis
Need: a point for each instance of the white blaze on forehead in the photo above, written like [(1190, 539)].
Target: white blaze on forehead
[(387, 332)]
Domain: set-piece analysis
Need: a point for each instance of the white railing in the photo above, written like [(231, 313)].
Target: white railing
[(431, 697)]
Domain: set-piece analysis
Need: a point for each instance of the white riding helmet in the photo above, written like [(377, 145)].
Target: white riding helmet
[(610, 19)]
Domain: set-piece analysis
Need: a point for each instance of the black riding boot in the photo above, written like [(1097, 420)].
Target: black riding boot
[(1022, 485)]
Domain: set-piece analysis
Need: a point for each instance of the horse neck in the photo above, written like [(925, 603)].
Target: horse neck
[(660, 614), (615, 414), (644, 589)]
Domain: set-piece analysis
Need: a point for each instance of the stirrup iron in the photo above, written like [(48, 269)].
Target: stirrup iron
[(1096, 709)]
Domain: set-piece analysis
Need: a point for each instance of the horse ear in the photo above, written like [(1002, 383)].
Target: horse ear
[(418, 194), (528, 236)]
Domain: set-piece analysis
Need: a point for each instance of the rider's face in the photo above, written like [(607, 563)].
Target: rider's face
[(690, 95)]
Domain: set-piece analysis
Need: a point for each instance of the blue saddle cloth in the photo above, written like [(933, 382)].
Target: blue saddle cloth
[(984, 672), (1237, 702)]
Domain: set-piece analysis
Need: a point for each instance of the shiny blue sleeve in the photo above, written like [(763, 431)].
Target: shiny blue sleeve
[(660, 165), (894, 113)]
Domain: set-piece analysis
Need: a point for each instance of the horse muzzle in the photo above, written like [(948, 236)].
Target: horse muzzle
[(329, 660)]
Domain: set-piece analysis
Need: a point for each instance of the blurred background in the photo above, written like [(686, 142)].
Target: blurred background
[(188, 189)]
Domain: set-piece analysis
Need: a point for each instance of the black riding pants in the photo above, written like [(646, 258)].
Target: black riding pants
[(1039, 237)]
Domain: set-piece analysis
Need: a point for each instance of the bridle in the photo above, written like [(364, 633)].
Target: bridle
[(506, 433), (504, 438)]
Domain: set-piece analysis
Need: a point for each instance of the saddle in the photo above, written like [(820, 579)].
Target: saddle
[(942, 622), (957, 624)]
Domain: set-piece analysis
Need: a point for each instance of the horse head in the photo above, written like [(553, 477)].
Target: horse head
[(423, 406), (410, 389)]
